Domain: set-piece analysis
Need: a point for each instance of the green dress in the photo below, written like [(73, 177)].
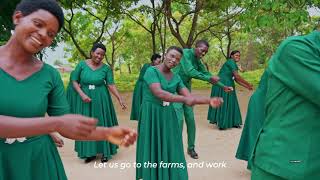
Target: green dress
[(137, 94), (254, 120), (228, 115), (159, 140), (288, 143), (94, 84), (37, 157), (72, 95)]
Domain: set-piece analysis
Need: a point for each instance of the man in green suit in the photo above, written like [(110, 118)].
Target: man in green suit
[(191, 67), (288, 144)]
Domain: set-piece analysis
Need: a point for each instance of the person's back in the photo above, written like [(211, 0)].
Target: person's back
[(288, 145)]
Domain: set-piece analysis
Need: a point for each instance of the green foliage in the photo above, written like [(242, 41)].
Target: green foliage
[(7, 8), (125, 82)]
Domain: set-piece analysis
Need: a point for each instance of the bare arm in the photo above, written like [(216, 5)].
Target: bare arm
[(192, 99), (164, 95), (70, 126), (83, 96), (115, 92), (116, 135), (241, 81)]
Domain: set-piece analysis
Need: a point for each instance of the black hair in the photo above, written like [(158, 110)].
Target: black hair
[(96, 46), (154, 57), (233, 53), (204, 42), (29, 6), (175, 48)]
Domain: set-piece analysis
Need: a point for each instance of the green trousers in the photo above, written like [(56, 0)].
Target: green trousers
[(187, 112)]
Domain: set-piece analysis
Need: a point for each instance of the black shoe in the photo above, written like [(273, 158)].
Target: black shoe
[(193, 153), (89, 159), (104, 159), (221, 129), (237, 126)]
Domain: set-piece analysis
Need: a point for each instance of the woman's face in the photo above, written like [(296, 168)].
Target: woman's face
[(236, 57), (201, 50), (156, 61), (97, 55), (172, 58), (36, 30)]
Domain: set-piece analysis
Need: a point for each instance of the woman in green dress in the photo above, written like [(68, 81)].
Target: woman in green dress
[(92, 80), (254, 120), (228, 115), (160, 153), (29, 90), (137, 93)]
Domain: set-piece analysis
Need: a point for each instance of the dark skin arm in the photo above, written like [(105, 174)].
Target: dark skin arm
[(83, 96), (113, 89), (241, 81), (71, 126), (184, 97)]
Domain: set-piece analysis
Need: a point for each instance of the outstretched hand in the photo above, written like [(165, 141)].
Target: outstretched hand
[(214, 79), (216, 102), (121, 136), (73, 126)]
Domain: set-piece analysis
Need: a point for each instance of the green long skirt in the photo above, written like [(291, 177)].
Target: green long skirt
[(36, 158), (228, 115), (136, 100), (101, 108), (254, 120), (159, 147)]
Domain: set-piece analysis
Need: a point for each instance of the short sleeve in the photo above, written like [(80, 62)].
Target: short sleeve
[(75, 75), (151, 76), (57, 101), (180, 84), (109, 76), (232, 65)]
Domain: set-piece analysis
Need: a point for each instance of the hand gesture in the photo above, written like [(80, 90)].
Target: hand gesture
[(122, 104), (216, 102), (227, 89), (57, 140), (250, 87), (73, 126), (85, 98), (121, 136), (214, 79)]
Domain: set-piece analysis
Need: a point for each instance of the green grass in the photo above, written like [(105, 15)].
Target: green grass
[(126, 82)]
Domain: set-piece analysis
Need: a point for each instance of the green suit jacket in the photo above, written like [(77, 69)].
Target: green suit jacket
[(289, 142)]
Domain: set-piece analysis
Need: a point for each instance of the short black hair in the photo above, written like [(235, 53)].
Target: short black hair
[(154, 57), (96, 46), (175, 48), (204, 42), (29, 6), (233, 53)]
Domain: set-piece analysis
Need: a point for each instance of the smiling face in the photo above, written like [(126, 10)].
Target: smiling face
[(172, 58), (97, 55), (36, 30), (156, 62), (236, 56), (201, 50)]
